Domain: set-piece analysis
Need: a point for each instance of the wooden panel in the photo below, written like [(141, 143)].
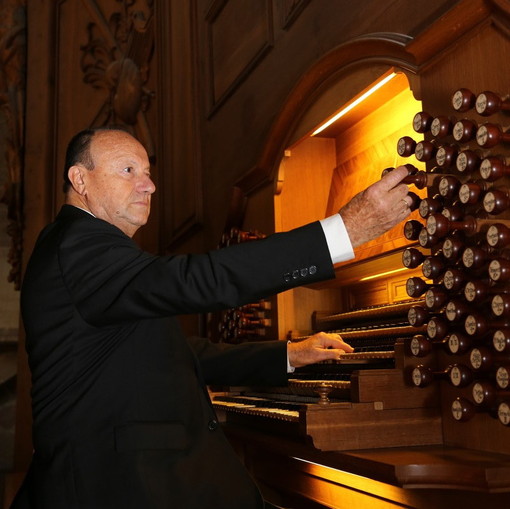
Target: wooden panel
[(397, 290), (179, 141), (240, 33), (290, 10), (304, 178), (368, 295), (388, 387), (381, 428)]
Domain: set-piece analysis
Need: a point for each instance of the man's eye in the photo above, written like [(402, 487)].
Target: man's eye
[(128, 169)]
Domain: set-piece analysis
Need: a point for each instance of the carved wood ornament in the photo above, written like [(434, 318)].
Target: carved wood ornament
[(116, 58), (12, 102)]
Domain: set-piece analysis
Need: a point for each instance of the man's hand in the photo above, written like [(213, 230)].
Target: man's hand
[(378, 208), (319, 347)]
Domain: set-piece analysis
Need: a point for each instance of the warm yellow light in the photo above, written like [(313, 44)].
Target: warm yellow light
[(328, 485), (384, 274), (352, 105)]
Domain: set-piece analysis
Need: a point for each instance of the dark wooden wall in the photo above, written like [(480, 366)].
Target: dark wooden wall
[(237, 118)]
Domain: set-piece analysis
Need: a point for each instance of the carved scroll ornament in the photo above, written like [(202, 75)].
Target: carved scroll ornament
[(116, 58)]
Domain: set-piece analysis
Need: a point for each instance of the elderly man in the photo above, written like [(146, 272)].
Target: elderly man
[(122, 418)]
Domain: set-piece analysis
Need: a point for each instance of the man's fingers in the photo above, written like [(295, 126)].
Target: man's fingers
[(332, 353), (334, 341), (393, 178)]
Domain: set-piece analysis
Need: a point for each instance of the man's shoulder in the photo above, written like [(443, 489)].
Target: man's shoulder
[(74, 225), (71, 218)]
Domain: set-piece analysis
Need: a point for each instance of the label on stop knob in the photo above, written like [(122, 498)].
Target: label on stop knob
[(464, 193), (468, 257), (426, 268), (457, 410), (497, 305), (502, 377), (482, 135), (415, 347), (417, 122), (448, 248), (441, 156), (423, 237), (419, 150), (461, 162), (485, 168), (458, 131), (492, 236), (478, 393), (499, 341), (475, 358), (504, 413), (470, 325), (495, 270), (431, 225), (453, 343), (429, 299), (455, 376), (481, 104), (411, 317), (451, 311), (416, 377), (489, 202), (448, 280), (444, 187), (423, 209), (435, 127), (469, 291), (432, 329), (457, 100), (401, 147)]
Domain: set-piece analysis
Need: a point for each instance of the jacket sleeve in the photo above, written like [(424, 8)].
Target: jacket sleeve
[(111, 280), (260, 363)]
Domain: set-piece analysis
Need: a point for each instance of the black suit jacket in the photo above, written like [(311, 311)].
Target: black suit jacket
[(122, 418)]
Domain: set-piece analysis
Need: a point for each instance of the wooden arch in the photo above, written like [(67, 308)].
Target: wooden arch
[(374, 49)]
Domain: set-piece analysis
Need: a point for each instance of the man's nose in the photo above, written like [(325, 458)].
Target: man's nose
[(146, 185)]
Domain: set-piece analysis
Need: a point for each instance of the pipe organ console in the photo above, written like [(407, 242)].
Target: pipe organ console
[(245, 322), (424, 399)]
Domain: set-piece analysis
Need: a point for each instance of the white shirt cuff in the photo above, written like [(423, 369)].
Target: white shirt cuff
[(339, 244), (290, 369)]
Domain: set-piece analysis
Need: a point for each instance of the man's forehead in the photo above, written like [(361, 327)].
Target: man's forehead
[(116, 144), (112, 137)]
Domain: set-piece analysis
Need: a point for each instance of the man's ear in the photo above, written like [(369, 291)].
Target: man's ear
[(75, 175)]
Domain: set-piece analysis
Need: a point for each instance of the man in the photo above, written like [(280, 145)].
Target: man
[(122, 418)]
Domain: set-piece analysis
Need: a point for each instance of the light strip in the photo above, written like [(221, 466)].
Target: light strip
[(384, 274), (349, 107), (312, 463), (320, 465)]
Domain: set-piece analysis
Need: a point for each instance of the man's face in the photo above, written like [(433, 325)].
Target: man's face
[(119, 187)]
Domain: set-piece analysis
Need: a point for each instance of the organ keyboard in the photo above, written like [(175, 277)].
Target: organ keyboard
[(328, 400)]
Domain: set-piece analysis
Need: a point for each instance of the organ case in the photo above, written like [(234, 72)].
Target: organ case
[(442, 427)]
